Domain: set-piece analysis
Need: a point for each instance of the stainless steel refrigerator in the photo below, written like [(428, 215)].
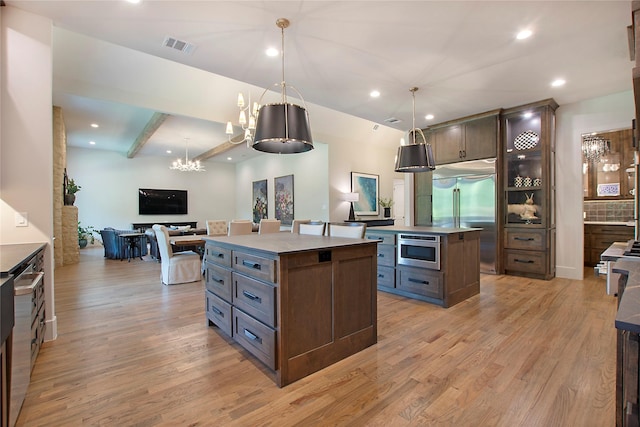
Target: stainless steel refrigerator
[(464, 195)]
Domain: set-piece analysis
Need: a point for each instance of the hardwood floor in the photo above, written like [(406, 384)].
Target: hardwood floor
[(131, 351)]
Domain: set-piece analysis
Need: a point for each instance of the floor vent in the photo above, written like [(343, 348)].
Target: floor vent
[(180, 45)]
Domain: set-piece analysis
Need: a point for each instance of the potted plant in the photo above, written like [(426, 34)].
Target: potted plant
[(386, 205), (85, 235), (70, 192)]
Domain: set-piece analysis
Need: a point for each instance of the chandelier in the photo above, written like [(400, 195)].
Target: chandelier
[(415, 157), (188, 165), (594, 147), (283, 127), (247, 125)]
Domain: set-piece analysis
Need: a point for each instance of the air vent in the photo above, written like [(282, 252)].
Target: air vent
[(392, 120), (180, 45)]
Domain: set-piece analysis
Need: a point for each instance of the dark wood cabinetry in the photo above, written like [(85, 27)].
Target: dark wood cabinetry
[(529, 189), (598, 237), (297, 303), (613, 170)]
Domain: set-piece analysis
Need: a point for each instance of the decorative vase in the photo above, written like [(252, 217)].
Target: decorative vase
[(387, 212), (69, 199), (82, 243)]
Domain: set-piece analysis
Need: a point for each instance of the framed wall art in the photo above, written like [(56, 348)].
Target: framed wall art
[(259, 200), (283, 186), (366, 185)]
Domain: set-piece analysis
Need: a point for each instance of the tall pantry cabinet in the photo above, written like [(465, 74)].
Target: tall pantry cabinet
[(529, 189)]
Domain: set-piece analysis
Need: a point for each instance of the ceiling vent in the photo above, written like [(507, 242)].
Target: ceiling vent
[(392, 120), (180, 45)]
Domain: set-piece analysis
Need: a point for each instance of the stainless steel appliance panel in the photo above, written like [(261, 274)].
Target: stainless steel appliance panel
[(464, 195), (419, 251)]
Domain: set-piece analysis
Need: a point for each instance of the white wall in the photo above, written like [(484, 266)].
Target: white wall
[(110, 183), (599, 114), (26, 140)]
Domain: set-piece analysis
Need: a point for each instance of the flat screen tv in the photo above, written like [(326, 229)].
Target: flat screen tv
[(162, 202)]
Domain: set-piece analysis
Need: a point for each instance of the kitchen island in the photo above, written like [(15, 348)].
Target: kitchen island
[(434, 264), (298, 303)]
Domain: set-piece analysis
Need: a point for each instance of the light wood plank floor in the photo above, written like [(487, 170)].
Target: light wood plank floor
[(132, 352)]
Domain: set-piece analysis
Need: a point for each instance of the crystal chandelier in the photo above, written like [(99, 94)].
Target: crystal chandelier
[(188, 165), (248, 126), (594, 147)]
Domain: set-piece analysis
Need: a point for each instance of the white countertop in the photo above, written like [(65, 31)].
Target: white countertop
[(627, 223)]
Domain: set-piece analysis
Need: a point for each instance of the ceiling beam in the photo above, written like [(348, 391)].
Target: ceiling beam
[(154, 123), (219, 149)]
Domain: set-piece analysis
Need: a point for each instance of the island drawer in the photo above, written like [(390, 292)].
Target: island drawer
[(386, 255), (386, 276), (255, 298), (219, 313), (255, 266), (419, 281), (258, 339), (218, 255), (525, 261), (525, 239), (218, 280), (386, 238)]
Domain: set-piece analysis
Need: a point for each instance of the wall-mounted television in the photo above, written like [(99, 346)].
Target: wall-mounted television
[(162, 202)]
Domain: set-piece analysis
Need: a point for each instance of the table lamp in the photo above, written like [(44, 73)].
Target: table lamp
[(351, 197)]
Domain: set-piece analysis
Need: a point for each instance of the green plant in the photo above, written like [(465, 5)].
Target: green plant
[(86, 233), (72, 187), (385, 203)]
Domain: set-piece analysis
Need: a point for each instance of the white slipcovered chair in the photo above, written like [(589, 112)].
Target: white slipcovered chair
[(347, 229), (315, 228), (295, 225), (216, 227), (240, 226), (269, 226), (181, 267)]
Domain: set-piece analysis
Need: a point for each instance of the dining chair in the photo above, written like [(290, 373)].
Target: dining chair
[(216, 227), (240, 226), (347, 229), (315, 228), (269, 226), (295, 225), (179, 267)]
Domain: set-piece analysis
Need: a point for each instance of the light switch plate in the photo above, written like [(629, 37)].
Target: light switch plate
[(22, 219)]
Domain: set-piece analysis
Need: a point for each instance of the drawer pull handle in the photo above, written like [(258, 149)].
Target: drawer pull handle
[(218, 254), (524, 239), (250, 264), (380, 276), (524, 261), (252, 336), (422, 282), (218, 312), (217, 280), (380, 255), (251, 296)]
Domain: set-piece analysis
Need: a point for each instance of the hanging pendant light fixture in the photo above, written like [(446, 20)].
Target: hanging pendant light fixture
[(415, 157), (594, 147), (282, 128), (188, 165), (248, 126)]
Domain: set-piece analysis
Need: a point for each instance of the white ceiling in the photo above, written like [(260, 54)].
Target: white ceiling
[(463, 56)]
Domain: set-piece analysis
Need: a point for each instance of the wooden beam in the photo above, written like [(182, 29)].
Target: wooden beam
[(222, 148), (154, 123)]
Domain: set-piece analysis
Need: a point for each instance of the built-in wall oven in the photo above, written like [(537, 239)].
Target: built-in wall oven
[(419, 251)]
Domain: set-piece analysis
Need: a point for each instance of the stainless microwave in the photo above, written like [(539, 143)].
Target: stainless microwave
[(419, 251)]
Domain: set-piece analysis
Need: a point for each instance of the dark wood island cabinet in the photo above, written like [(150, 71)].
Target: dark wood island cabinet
[(297, 303)]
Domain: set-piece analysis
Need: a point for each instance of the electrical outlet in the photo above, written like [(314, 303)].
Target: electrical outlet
[(22, 219)]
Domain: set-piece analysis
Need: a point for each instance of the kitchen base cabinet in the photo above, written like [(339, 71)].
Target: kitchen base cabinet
[(598, 237), (457, 279), (297, 303)]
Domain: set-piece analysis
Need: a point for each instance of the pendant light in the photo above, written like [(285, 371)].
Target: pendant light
[(283, 127), (415, 157)]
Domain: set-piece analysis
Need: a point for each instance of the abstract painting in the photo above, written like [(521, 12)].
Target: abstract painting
[(366, 185)]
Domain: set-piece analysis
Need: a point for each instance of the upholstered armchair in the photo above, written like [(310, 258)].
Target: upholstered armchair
[(179, 267), (216, 227)]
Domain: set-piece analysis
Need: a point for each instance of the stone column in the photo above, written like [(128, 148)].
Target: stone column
[(70, 248)]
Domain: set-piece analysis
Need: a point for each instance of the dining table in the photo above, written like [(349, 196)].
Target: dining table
[(194, 241)]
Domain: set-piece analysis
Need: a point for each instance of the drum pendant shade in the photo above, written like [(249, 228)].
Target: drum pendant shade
[(283, 128), (415, 158)]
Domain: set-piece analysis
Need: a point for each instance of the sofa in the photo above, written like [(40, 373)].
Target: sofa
[(173, 231), (115, 247)]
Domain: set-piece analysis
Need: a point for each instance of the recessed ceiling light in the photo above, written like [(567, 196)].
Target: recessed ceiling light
[(95, 125), (92, 142), (374, 94), (168, 151), (558, 82), (524, 34), (229, 158), (272, 51), (527, 115), (429, 117), (133, 1)]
